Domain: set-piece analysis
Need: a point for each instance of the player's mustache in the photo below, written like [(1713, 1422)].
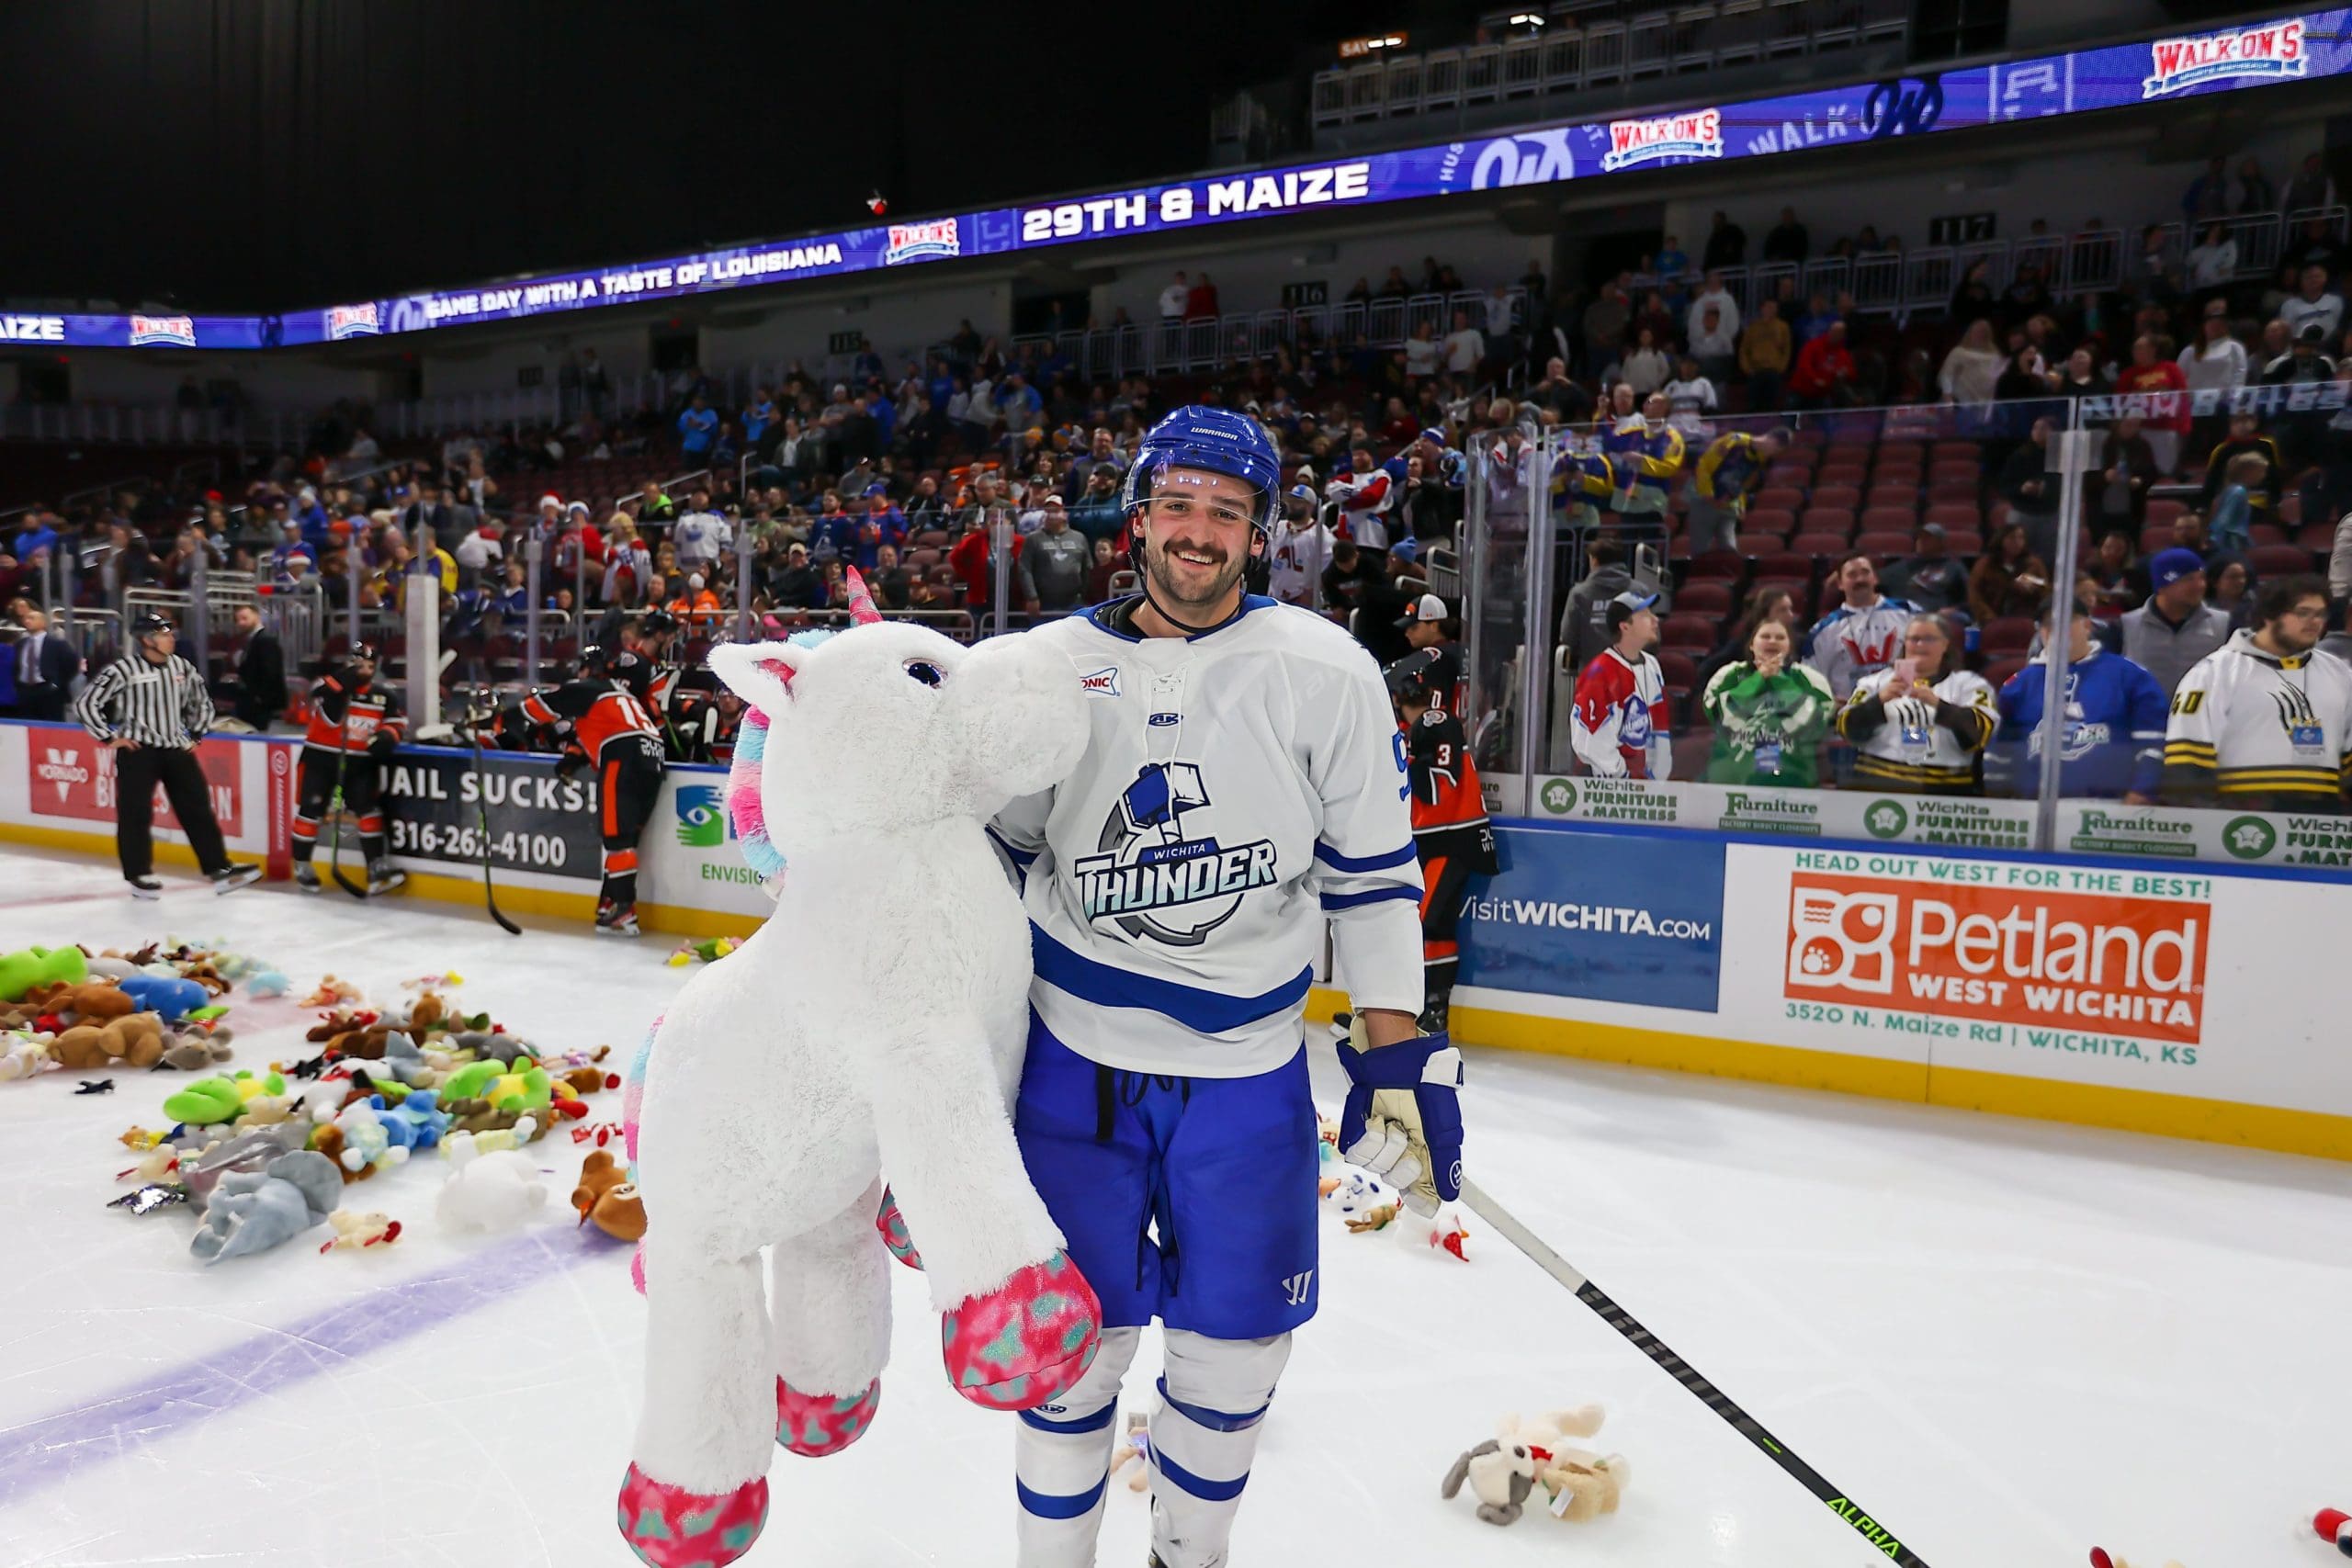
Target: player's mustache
[(1190, 547)]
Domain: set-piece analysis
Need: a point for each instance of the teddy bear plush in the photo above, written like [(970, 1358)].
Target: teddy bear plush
[(136, 1039), (607, 1196), (489, 1189), (353, 1232), (868, 764), (1580, 1484)]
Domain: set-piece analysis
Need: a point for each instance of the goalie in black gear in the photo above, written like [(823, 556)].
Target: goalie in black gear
[(613, 732), (354, 732)]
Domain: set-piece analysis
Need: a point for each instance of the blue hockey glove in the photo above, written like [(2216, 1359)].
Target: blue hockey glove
[(1403, 1117)]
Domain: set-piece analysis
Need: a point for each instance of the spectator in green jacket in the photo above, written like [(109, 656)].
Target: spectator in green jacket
[(1770, 712)]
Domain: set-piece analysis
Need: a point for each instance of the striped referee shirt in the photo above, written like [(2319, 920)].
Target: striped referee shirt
[(152, 705)]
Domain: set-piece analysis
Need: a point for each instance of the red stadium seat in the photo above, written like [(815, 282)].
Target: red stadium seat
[(1822, 519), (1752, 543), (2162, 511), (1848, 496), (1945, 471), (2279, 560), (1963, 542), (1678, 668), (1698, 632), (2008, 634), (1728, 566), (1769, 520), (2156, 537), (1851, 474), (1706, 598), (1955, 515), (1886, 519), (1819, 545), (2317, 536), (1998, 673), (1783, 498), (1946, 449), (1898, 495), (1883, 544), (1785, 563)]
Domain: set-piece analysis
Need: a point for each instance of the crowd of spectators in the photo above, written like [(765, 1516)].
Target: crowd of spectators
[(921, 474)]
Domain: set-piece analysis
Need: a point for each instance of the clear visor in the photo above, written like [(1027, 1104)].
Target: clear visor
[(1175, 491)]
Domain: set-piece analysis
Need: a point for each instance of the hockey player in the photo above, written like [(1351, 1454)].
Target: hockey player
[(672, 705), (1245, 784), (2264, 723), (1450, 835), (1619, 724), (354, 732), (611, 731)]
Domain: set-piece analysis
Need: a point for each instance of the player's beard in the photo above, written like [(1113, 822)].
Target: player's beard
[(1168, 587)]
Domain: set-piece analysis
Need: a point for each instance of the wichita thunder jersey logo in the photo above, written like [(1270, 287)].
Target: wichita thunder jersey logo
[(1154, 880)]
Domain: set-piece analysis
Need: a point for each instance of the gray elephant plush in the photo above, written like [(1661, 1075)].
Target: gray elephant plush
[(254, 1211)]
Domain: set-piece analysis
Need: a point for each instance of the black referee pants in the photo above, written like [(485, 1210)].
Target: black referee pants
[(136, 772)]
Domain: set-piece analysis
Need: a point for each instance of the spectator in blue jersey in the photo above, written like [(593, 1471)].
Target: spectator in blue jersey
[(697, 427), (761, 417), (2112, 742), (39, 533), (882, 526)]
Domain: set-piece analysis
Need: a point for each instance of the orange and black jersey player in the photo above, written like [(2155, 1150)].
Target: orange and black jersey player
[(352, 731), (613, 732), (1450, 833)]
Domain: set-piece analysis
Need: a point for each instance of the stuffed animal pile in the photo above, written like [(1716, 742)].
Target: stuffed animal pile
[(66, 1007), (868, 766), (384, 1087)]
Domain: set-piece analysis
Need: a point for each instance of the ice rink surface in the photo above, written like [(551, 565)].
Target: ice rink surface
[(2010, 1341)]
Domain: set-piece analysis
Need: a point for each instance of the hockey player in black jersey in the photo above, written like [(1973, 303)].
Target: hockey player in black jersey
[(613, 732)]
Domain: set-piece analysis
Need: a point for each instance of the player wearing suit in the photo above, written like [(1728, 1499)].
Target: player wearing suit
[(1245, 786)]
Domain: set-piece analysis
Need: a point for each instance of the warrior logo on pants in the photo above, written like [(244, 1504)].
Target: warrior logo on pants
[(1157, 880)]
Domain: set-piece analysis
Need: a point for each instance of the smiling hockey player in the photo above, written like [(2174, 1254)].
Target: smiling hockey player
[(1245, 783)]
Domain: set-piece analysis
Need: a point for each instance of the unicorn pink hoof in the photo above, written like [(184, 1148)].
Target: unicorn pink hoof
[(1027, 1341), (893, 1226), (819, 1424), (669, 1526)]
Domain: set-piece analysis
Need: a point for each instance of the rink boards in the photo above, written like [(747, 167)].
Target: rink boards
[(2163, 995)]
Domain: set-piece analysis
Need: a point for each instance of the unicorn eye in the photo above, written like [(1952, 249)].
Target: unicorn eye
[(924, 669)]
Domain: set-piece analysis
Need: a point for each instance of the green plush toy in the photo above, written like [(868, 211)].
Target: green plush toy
[(521, 1086), (22, 970), (208, 1101)]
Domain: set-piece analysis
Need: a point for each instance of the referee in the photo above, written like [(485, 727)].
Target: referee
[(149, 707)]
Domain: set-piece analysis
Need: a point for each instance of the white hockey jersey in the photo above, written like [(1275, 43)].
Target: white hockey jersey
[(1901, 743), (1243, 787), (2248, 728), (1296, 561)]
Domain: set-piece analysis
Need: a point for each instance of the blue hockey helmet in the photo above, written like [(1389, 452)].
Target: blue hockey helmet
[(1218, 441)]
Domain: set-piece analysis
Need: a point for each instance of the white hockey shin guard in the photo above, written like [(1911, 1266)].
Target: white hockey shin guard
[(1203, 1437), (1061, 1460)]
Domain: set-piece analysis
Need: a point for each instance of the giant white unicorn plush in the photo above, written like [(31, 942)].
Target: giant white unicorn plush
[(875, 1023)]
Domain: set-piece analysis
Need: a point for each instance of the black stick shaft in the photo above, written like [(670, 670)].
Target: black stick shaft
[(481, 803), (1882, 1539)]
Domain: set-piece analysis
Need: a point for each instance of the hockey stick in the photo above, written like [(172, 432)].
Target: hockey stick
[(481, 805), (1882, 1539), (335, 852)]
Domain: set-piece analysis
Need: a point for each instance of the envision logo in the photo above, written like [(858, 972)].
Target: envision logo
[(62, 769)]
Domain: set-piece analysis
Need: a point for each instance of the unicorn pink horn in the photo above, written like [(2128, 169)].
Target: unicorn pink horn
[(861, 611)]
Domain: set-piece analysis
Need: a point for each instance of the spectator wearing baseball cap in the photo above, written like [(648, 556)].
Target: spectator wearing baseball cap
[(1619, 726), (2174, 631), (1301, 550)]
